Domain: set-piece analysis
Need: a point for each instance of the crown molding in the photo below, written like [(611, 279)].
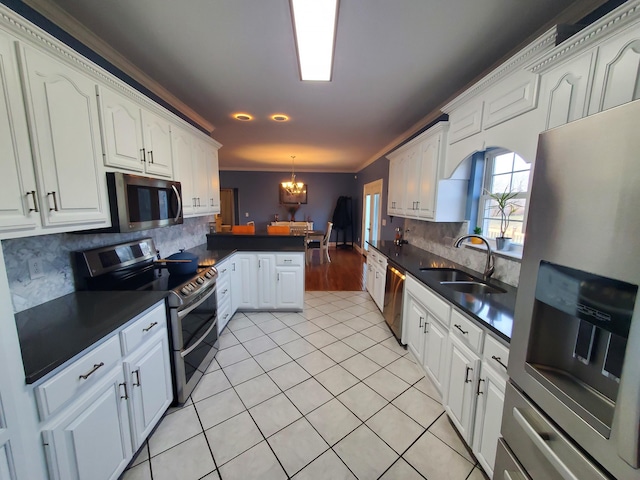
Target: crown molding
[(73, 27), (536, 48), (623, 16)]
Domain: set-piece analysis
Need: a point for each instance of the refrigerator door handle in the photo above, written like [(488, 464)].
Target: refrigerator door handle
[(539, 441)]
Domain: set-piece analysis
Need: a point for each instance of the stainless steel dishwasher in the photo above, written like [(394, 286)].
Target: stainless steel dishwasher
[(393, 292)]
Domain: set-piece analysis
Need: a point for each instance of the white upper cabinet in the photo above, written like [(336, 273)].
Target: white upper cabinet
[(214, 178), (156, 133), (182, 144), (416, 186), (121, 122), (65, 135), (19, 207)]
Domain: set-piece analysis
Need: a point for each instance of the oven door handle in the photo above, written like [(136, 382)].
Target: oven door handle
[(186, 352), (187, 311)]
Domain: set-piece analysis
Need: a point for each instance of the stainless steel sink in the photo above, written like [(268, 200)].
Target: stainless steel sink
[(448, 275), (472, 287)]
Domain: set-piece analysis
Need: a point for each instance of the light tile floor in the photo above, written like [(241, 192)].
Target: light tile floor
[(323, 394)]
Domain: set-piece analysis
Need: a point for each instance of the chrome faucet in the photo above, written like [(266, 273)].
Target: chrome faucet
[(489, 267)]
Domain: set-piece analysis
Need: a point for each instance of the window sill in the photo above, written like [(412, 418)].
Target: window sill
[(515, 253)]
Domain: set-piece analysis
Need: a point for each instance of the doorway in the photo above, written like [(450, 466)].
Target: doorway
[(371, 213), (229, 207)]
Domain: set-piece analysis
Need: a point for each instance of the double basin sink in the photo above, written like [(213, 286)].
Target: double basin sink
[(460, 281)]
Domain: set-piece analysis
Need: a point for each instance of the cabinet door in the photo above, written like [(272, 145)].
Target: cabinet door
[(244, 281), (201, 180), (428, 177), (157, 144), (121, 125), (92, 439), (63, 117), (414, 322), (18, 195), (266, 281), (490, 393), (6, 457), (290, 287), (379, 279), (434, 350), (395, 202), (214, 179), (182, 144), (411, 185), (370, 276), (459, 394), (151, 391)]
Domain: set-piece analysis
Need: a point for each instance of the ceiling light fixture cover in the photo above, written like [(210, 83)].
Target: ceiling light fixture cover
[(314, 27), (245, 117), (279, 117), (292, 187)]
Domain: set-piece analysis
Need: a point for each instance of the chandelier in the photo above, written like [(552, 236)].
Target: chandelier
[(292, 187)]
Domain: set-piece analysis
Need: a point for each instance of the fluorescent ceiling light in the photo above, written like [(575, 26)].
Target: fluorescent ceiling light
[(314, 25)]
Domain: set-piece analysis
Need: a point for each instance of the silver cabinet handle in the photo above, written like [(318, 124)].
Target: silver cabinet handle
[(150, 156), (288, 260), (460, 328), (233, 267), (151, 325), (539, 440), (126, 393), (499, 360), (278, 277), (425, 327), (55, 201), (223, 270), (35, 201), (225, 316), (466, 375), (420, 323), (137, 372), (96, 366), (224, 292), (478, 391), (143, 156)]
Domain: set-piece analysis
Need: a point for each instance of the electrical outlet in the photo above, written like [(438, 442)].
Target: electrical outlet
[(384, 222), (246, 214), (35, 268)]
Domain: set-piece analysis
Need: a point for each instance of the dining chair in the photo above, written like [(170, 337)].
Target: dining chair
[(278, 230), (245, 229), (322, 246)]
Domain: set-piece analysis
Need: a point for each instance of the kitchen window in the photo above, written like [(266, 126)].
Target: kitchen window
[(504, 171)]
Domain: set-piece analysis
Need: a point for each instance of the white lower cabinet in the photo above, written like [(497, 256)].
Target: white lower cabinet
[(376, 276), (95, 433), (244, 281), (223, 293), (266, 281), (91, 439), (149, 380), (289, 287)]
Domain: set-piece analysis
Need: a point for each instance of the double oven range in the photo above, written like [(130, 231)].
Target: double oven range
[(191, 299)]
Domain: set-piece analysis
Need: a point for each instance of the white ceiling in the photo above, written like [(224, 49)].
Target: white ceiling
[(395, 63)]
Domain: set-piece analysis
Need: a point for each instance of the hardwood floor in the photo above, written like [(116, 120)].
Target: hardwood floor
[(347, 271)]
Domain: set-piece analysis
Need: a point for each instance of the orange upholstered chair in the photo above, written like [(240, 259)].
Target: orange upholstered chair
[(278, 230), (245, 229)]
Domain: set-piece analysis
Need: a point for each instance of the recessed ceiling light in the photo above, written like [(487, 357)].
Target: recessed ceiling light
[(245, 117), (314, 26), (279, 117)]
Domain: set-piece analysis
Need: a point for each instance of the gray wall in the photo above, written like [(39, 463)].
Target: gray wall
[(258, 195)]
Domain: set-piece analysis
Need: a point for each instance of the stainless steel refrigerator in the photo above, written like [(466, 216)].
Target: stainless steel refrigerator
[(572, 405)]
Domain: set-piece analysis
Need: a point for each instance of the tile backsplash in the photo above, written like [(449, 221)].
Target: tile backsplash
[(55, 252), (438, 238)]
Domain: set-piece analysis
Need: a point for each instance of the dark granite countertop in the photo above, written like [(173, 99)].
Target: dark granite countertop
[(260, 242), (495, 311), (54, 332)]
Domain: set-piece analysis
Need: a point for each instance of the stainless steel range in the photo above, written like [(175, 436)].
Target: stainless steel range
[(191, 299)]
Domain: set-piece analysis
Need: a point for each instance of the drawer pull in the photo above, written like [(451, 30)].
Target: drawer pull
[(151, 325), (425, 327), (499, 360), (126, 393), (225, 316), (478, 391), (464, 332), (143, 157), (137, 372), (466, 375), (420, 326), (223, 270), (539, 439), (88, 374), (289, 260), (35, 201), (55, 202), (224, 292)]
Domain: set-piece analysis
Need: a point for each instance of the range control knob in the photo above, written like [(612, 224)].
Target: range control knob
[(209, 274), (184, 291), (200, 280)]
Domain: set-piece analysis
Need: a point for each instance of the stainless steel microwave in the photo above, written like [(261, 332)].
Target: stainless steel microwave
[(141, 203)]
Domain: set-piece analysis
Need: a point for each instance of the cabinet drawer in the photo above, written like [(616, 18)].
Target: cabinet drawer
[(497, 355), (77, 377), (145, 327), (438, 307), (466, 330), (223, 271), (372, 256), (224, 314), (287, 260), (223, 291)]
